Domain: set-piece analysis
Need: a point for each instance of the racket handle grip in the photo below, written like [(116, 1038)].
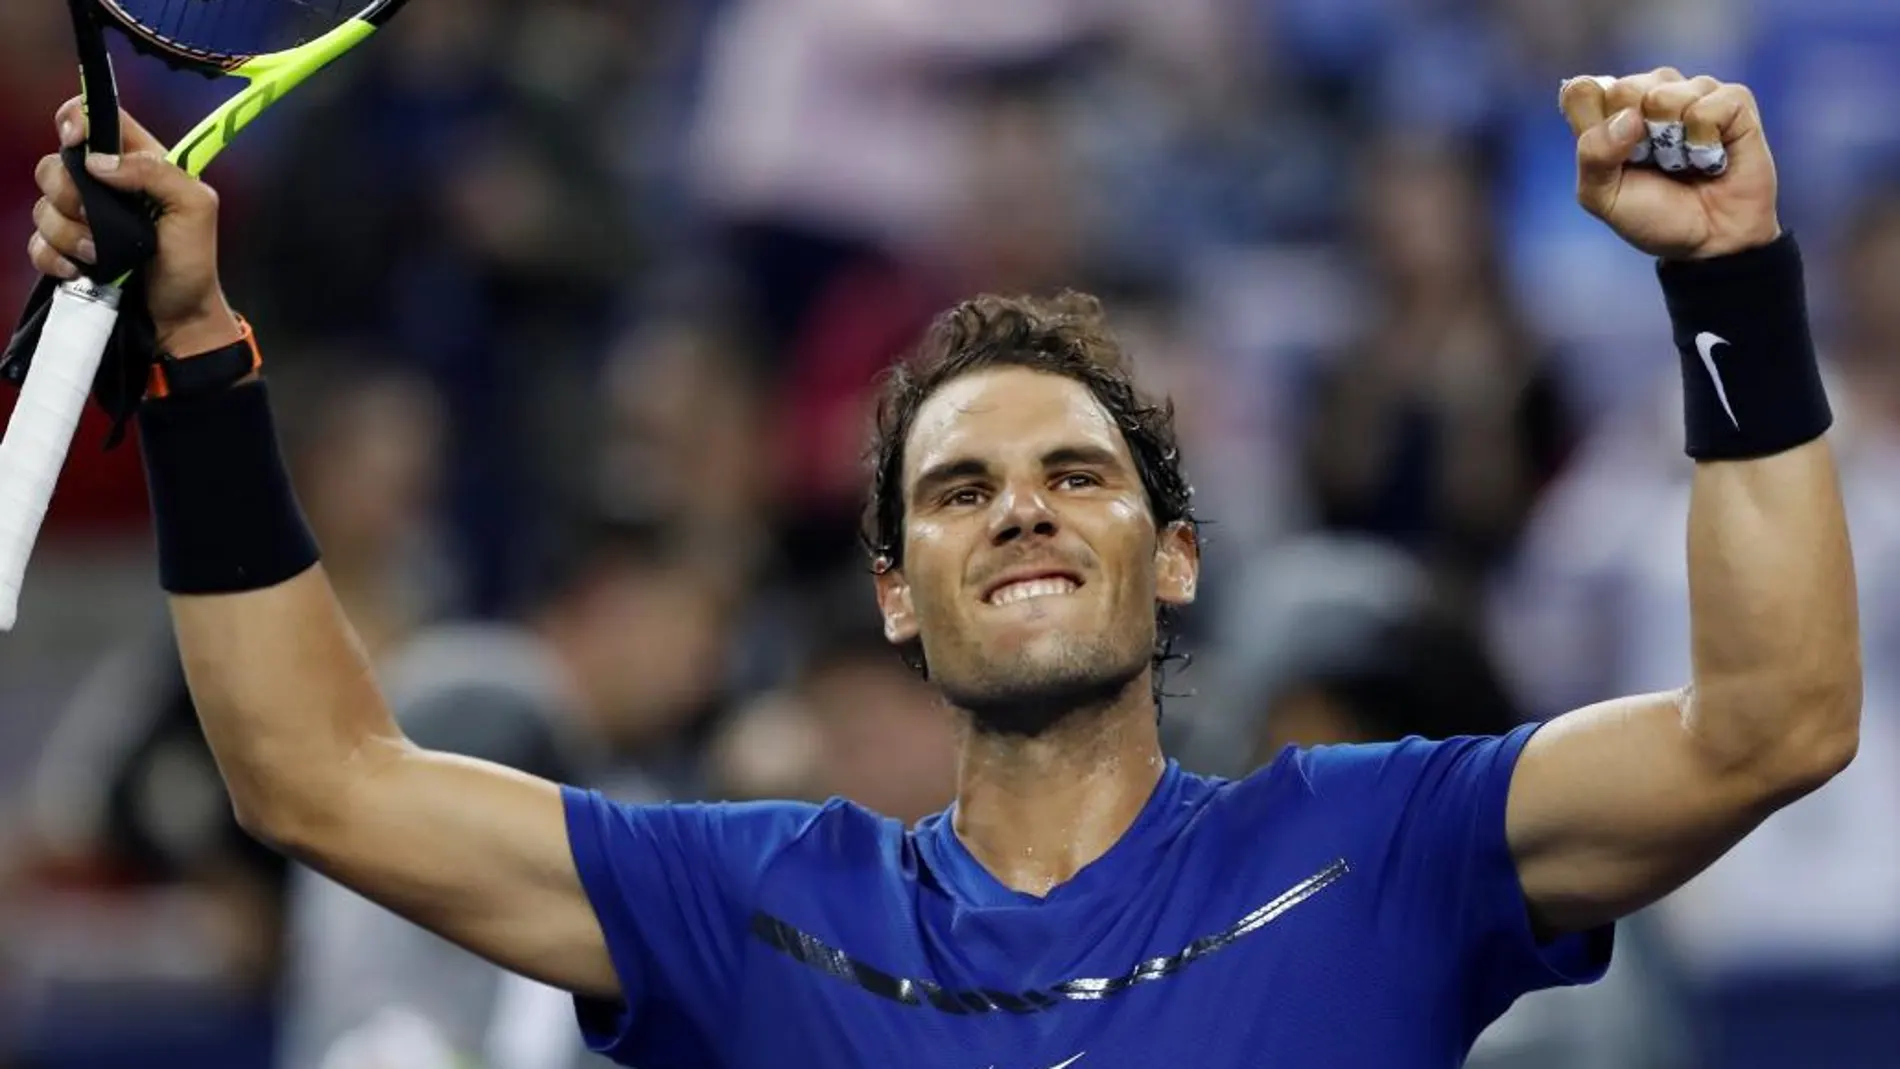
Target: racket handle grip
[(78, 327)]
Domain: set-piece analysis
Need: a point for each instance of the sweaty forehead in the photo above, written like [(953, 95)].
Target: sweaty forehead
[(1004, 415)]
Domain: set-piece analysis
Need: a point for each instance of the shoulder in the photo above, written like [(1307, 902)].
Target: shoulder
[(840, 839), (1404, 764), (1386, 783), (748, 837)]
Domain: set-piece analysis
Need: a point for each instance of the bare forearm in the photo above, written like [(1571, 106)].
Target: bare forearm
[(1776, 638), (286, 696)]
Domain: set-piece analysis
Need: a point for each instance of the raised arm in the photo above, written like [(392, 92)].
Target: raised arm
[(1616, 805), (476, 852), (313, 760)]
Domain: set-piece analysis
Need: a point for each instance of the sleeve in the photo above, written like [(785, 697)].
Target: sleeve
[(1447, 866), (673, 887)]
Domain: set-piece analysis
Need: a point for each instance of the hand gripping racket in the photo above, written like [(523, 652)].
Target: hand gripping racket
[(273, 45)]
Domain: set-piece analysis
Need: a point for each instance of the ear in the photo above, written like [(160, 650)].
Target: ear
[(1177, 564), (893, 602)]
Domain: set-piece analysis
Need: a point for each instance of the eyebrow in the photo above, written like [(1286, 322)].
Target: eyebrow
[(1068, 456), (1080, 456), (943, 474)]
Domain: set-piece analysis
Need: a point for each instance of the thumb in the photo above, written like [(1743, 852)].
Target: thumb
[(153, 175), (1602, 152)]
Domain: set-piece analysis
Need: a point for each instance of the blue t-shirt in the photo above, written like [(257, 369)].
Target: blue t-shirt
[(1344, 906)]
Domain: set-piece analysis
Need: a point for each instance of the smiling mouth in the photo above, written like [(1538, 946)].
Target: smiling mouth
[(1041, 586)]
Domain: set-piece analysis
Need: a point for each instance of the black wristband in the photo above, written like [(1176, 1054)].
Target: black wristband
[(226, 517), (1751, 385)]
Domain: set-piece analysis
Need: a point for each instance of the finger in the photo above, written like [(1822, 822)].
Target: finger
[(1581, 100), (1667, 102), (152, 174), (1628, 92), (68, 237), (48, 262), (1604, 149), (1603, 152), (1712, 123), (1663, 107), (71, 120), (73, 127), (57, 185), (134, 137)]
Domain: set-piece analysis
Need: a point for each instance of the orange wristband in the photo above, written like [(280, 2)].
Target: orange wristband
[(219, 369)]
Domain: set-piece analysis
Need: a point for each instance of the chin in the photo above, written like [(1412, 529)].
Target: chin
[(1033, 688)]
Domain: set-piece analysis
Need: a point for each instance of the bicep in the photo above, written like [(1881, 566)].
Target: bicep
[(476, 852), (1615, 805)]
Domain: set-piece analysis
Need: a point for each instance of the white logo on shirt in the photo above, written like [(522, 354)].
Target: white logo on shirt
[(1062, 1064)]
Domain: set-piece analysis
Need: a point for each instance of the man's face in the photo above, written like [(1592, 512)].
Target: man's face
[(1032, 566)]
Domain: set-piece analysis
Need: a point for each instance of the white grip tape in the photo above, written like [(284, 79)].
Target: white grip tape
[(1666, 145), (78, 326), (1711, 160)]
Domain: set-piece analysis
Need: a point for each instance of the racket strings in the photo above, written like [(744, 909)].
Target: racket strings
[(233, 29)]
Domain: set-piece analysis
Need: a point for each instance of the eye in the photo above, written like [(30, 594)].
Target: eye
[(964, 497), (1078, 480)]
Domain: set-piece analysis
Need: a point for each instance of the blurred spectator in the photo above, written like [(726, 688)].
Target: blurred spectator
[(1597, 605), (478, 224), (1440, 425), (855, 722), (683, 441), (831, 133), (1334, 639), (600, 686)]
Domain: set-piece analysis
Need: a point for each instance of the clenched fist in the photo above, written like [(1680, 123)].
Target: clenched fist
[(1710, 203)]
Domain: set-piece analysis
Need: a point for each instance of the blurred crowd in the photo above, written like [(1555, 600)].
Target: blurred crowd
[(572, 309)]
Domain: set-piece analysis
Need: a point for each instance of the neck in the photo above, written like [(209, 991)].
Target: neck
[(1036, 811)]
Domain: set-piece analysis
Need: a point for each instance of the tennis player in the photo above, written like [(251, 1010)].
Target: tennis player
[(1084, 902)]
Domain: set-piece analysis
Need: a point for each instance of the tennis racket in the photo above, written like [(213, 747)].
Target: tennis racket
[(272, 45)]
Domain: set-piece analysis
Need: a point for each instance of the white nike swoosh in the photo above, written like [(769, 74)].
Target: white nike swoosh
[(1071, 1061), (1705, 344)]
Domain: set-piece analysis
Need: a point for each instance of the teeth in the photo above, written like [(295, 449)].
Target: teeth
[(1032, 588)]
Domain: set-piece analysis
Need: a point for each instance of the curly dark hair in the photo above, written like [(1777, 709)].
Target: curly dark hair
[(1066, 335)]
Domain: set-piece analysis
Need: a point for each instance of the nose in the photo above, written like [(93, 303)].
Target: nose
[(1021, 512)]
